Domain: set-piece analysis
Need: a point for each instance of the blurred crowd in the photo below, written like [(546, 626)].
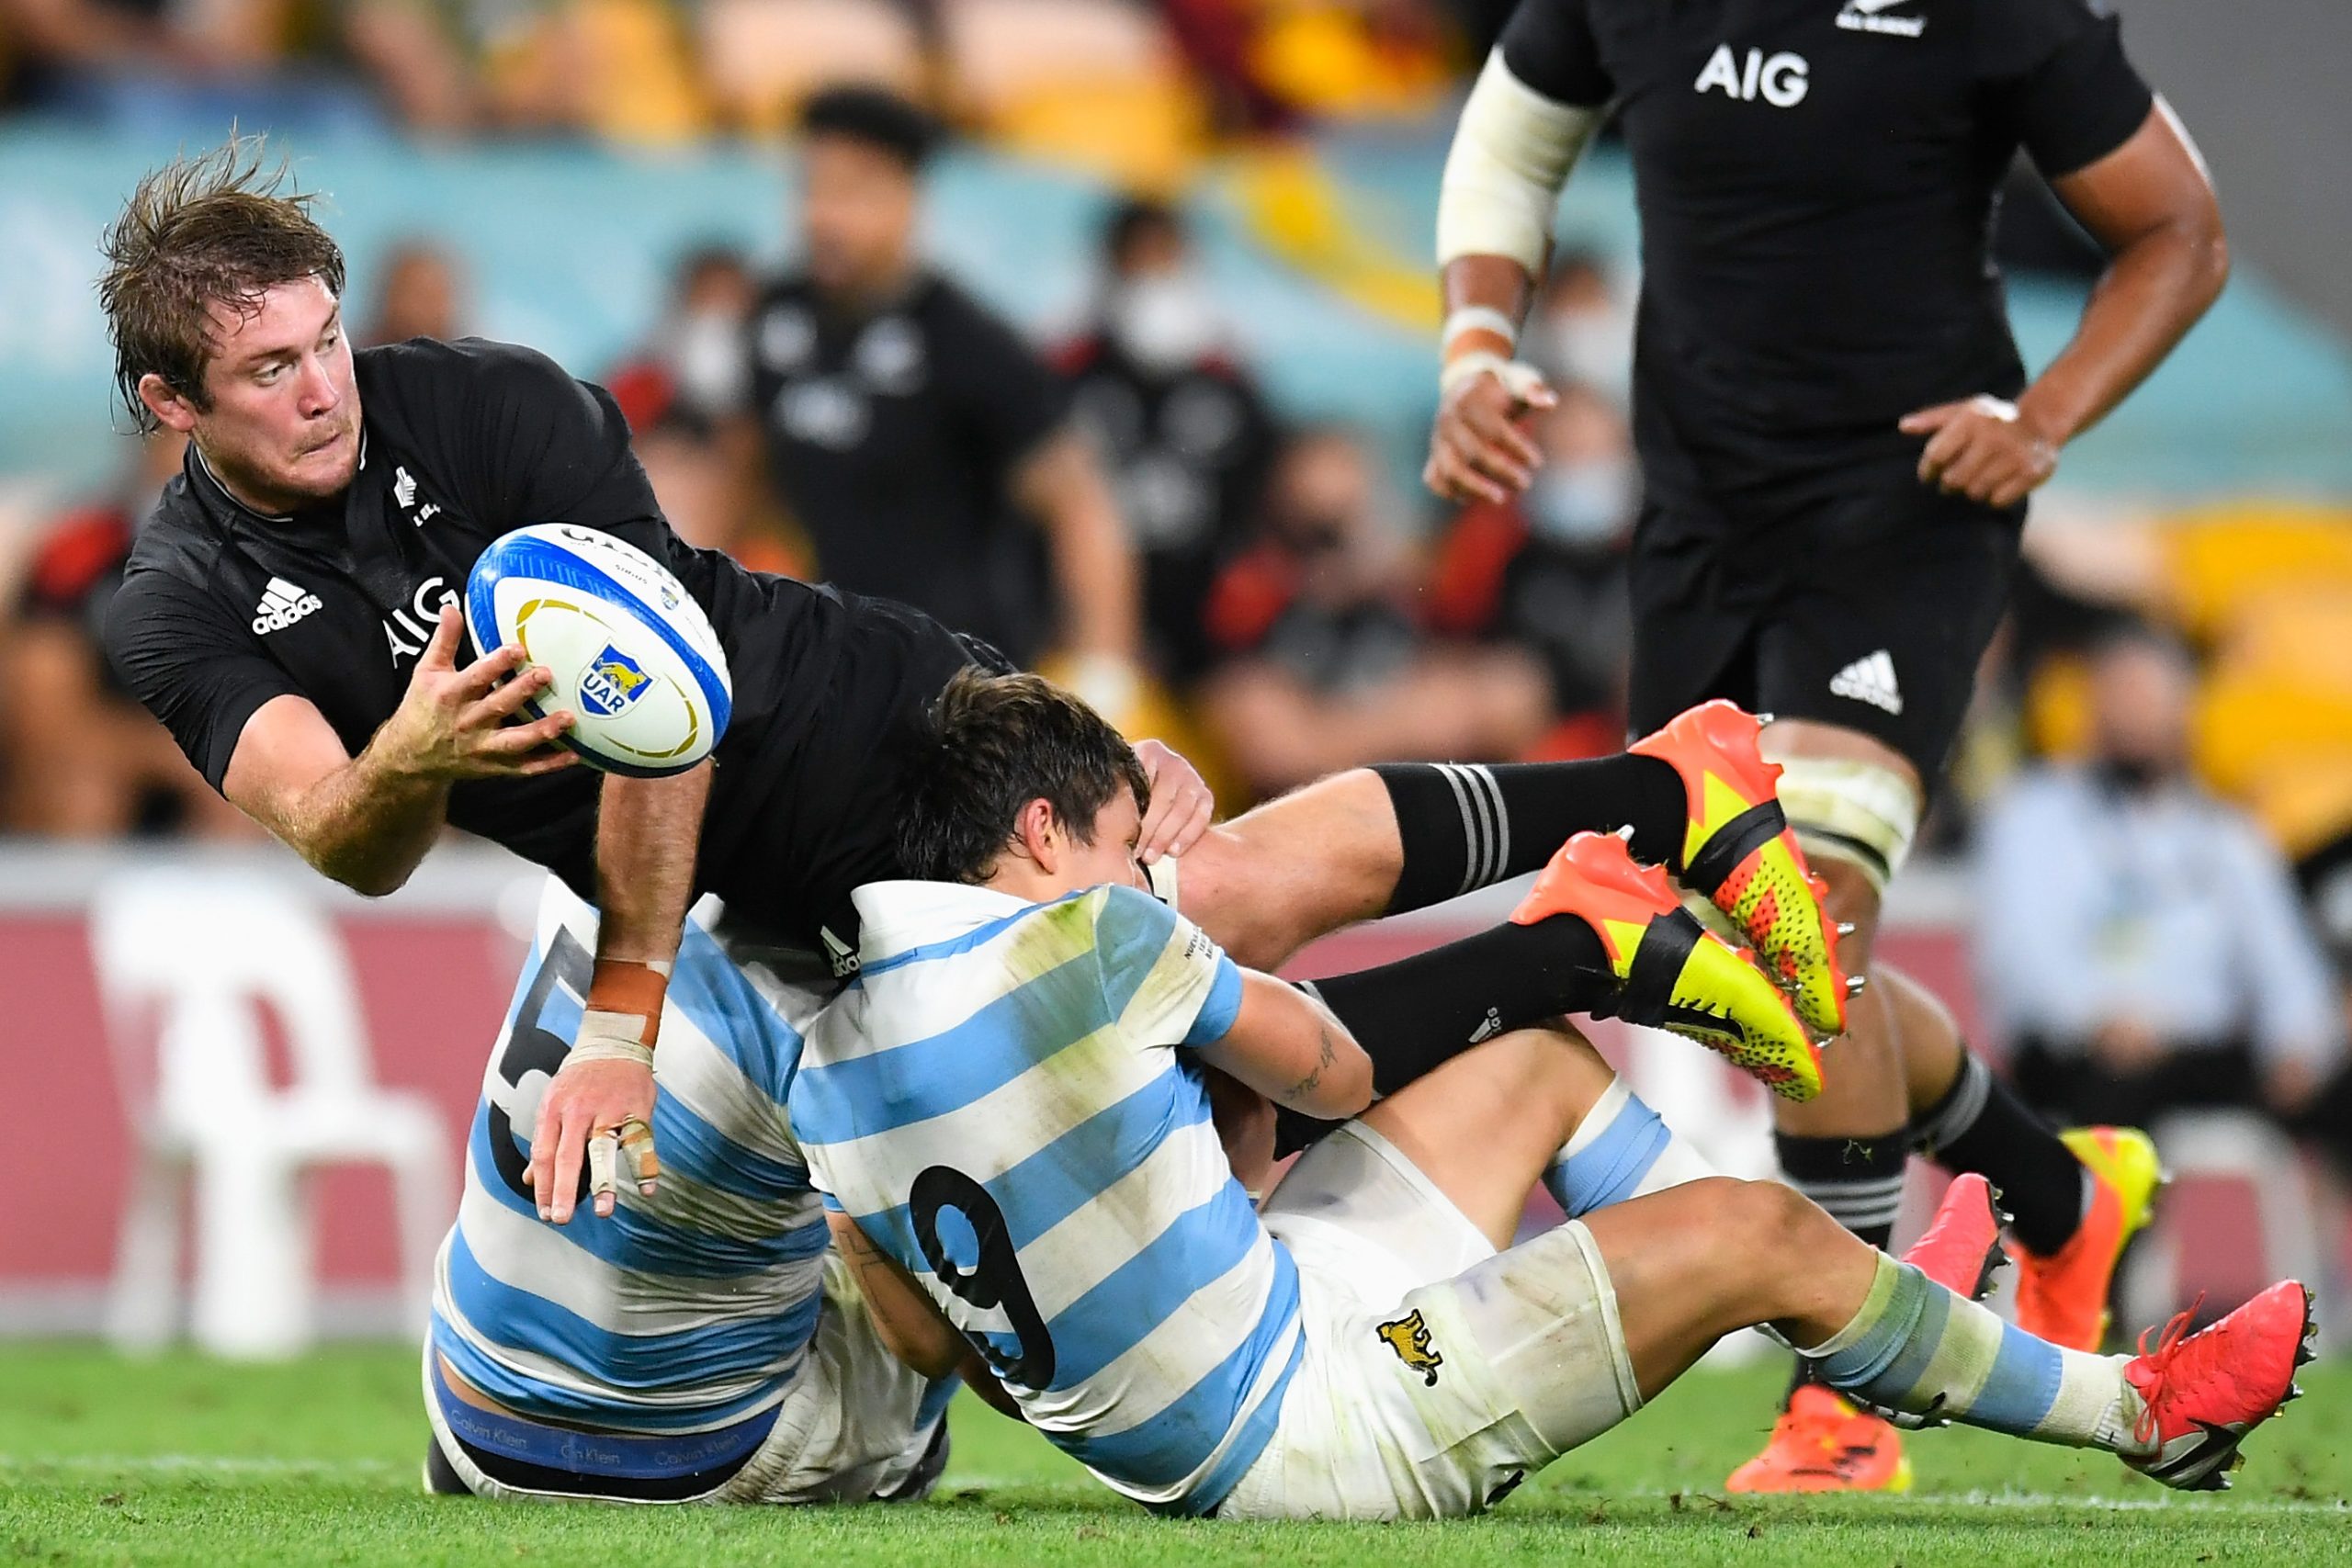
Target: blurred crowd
[(2156, 788), (1142, 88)]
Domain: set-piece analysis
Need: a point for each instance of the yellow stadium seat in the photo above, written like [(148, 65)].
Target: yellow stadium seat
[(2219, 557), (763, 58)]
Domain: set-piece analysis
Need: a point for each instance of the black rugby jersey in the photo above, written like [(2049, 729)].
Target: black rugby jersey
[(892, 437), (222, 608), (1816, 181)]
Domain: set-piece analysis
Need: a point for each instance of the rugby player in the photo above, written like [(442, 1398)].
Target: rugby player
[(290, 615), (1007, 1109), (1837, 439)]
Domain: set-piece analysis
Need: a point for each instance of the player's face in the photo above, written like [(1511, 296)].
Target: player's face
[(858, 213), (283, 429), (1118, 832)]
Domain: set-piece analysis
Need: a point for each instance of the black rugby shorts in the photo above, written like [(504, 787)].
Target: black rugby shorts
[(1865, 604)]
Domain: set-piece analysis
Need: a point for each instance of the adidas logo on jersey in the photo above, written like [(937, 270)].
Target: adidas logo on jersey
[(1867, 16), (282, 605), (1869, 680)]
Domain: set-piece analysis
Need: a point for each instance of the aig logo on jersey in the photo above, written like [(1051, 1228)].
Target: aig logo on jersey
[(1779, 79), (612, 681)]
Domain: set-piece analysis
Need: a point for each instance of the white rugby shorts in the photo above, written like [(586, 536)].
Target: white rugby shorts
[(1437, 1373)]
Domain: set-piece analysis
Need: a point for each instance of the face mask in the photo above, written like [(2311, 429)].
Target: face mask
[(1593, 348), (1581, 503), (2134, 775), (706, 356), (1164, 323)]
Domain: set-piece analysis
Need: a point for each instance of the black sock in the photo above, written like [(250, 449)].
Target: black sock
[(1858, 1180), (1981, 1126), (1466, 825), (1414, 1015)]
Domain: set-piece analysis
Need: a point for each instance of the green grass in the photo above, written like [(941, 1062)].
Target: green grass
[(185, 1460)]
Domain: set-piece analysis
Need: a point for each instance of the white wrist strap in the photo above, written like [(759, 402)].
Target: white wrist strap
[(1477, 318), (611, 1037)]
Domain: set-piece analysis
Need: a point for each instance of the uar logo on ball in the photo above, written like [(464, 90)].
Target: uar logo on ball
[(630, 653)]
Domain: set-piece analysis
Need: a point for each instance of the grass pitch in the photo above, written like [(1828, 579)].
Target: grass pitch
[(106, 1460)]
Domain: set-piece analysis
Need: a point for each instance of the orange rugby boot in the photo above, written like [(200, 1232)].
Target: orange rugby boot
[(1824, 1443), (1740, 854), (2204, 1391), (1674, 973), (2063, 1298)]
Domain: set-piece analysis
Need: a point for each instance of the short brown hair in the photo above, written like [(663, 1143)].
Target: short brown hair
[(998, 742), (219, 228)]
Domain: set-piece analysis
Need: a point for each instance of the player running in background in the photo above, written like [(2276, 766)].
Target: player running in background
[(290, 615), (1837, 438), (1008, 1108)]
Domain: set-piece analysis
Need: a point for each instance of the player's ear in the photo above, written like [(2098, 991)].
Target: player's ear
[(1037, 833), (171, 409)]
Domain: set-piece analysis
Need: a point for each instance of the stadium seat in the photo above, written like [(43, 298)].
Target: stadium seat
[(2205, 1153), (187, 963), (1097, 82), (761, 58)]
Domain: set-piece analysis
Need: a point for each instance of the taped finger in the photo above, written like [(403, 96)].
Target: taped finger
[(604, 1158), (636, 1151)]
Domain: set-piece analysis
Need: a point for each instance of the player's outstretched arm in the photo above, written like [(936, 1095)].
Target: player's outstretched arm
[(600, 1105), (1290, 1048), (367, 820)]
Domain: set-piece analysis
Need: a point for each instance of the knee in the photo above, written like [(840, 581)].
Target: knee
[(1764, 1223), (1853, 898)]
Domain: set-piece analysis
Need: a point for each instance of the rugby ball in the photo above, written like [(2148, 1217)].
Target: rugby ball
[(633, 657)]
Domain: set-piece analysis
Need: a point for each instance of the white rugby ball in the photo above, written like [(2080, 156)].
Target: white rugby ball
[(633, 657)]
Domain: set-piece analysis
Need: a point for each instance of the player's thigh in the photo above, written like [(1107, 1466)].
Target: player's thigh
[(1694, 618), (1881, 629), (1323, 856), (1483, 1127)]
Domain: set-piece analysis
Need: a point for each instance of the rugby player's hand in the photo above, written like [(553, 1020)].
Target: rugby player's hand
[(1478, 450), (599, 1108), (1180, 802), (454, 724), (1983, 447)]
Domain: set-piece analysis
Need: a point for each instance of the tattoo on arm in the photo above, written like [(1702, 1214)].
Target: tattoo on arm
[(1330, 1052)]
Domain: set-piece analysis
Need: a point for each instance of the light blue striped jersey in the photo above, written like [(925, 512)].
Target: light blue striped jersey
[(1008, 1103), (685, 1311)]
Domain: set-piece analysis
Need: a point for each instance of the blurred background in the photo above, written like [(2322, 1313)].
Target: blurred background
[(1205, 226)]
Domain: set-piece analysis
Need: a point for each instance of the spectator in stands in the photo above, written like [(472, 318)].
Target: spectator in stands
[(1582, 327), (911, 432), (79, 758), (419, 293), (1546, 573), (694, 362), (1179, 421), (704, 494), (1325, 663), (2140, 939)]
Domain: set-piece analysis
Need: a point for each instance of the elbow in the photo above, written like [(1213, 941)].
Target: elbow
[(2204, 248), (1340, 1091), (367, 881), (2214, 263)]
